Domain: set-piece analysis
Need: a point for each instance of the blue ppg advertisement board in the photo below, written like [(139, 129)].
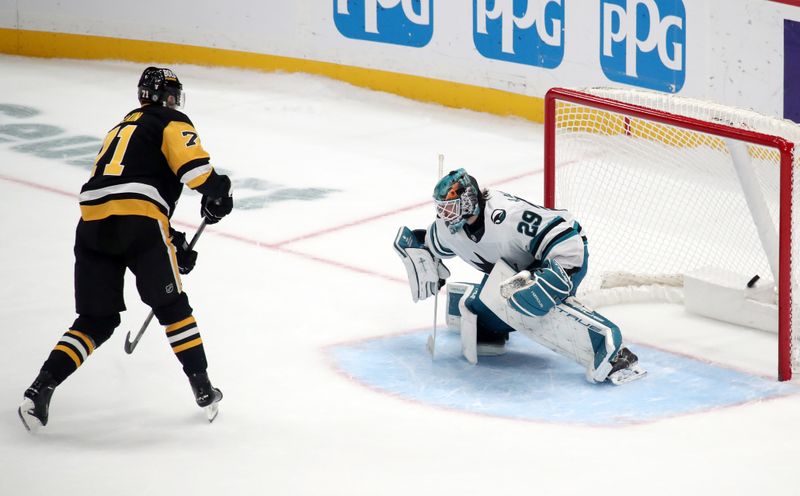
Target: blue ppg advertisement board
[(399, 22), (643, 43), (527, 32)]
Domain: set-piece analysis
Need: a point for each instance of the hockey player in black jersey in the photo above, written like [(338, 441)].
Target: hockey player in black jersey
[(126, 206)]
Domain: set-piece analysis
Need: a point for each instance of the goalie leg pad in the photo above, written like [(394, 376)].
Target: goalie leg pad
[(469, 332), (489, 323), (455, 291), (570, 329), (604, 335), (462, 316), (471, 345)]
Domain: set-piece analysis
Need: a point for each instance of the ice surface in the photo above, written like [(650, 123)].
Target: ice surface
[(325, 173)]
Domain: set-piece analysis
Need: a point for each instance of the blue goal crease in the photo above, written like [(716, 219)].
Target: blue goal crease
[(532, 383)]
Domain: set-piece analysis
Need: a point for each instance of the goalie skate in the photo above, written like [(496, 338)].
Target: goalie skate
[(624, 376), (625, 368)]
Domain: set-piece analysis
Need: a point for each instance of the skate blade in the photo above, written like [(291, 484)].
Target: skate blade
[(211, 411), (31, 423), (489, 350), (624, 376)]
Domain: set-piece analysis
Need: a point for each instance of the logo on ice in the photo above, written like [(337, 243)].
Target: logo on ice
[(523, 31), (400, 22), (643, 43)]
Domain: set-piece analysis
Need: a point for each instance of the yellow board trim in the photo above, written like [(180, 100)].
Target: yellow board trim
[(448, 93), (75, 358), (86, 339), (183, 323), (186, 346)]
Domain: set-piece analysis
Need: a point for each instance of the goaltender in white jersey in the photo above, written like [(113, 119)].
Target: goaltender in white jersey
[(534, 259), (512, 229)]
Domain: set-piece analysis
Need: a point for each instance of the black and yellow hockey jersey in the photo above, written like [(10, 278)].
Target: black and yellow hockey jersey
[(143, 164)]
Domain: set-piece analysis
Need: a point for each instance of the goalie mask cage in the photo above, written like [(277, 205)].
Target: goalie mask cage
[(664, 185)]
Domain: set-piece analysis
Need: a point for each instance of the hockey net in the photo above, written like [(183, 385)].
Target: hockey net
[(679, 198)]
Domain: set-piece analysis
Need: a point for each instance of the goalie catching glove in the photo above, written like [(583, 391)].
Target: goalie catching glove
[(426, 273), (537, 293)]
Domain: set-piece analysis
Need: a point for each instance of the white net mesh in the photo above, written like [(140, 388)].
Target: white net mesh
[(660, 199)]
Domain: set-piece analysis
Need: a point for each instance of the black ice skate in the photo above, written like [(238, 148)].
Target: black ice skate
[(206, 395), (625, 367), (35, 406)]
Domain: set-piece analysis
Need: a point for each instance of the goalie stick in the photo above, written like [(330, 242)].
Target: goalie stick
[(431, 343), (131, 345)]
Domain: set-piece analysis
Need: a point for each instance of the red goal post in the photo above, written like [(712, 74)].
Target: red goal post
[(660, 171)]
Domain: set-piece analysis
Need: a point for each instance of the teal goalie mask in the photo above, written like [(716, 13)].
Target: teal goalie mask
[(457, 198)]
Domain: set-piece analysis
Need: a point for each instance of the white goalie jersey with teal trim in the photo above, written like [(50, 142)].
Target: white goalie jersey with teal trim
[(514, 230)]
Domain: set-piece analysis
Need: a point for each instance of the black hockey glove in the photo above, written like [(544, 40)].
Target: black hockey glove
[(217, 201), (214, 209), (186, 257)]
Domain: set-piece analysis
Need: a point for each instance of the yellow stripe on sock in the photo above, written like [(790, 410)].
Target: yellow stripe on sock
[(86, 339), (75, 358), (177, 325), (186, 346)]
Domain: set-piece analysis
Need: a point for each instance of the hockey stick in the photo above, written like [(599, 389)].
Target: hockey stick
[(130, 345), (431, 344)]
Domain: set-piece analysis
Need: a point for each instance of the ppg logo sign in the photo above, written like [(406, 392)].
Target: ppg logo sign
[(400, 22), (643, 43), (523, 31)]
